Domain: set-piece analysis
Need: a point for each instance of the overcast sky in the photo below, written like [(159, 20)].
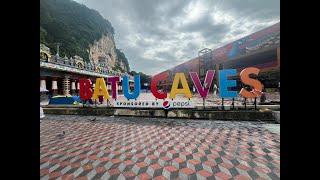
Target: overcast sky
[(156, 35)]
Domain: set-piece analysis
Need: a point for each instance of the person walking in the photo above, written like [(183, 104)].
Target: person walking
[(215, 88), (193, 89), (101, 99), (41, 113), (263, 97)]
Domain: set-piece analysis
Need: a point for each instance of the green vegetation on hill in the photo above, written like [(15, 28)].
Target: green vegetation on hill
[(73, 25), (121, 56)]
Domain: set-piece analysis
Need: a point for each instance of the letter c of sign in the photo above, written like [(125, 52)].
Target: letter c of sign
[(154, 82)]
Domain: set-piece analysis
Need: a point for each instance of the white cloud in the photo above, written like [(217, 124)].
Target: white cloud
[(157, 35)]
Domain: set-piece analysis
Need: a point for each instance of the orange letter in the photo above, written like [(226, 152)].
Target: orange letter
[(255, 84)]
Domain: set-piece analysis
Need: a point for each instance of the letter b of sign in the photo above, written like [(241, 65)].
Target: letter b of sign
[(85, 89)]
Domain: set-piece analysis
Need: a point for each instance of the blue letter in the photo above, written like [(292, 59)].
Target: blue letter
[(225, 83), (126, 89)]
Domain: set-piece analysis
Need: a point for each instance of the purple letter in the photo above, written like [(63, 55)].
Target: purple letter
[(113, 80), (203, 91)]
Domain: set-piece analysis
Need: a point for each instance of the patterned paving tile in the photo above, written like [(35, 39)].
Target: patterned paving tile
[(133, 148)]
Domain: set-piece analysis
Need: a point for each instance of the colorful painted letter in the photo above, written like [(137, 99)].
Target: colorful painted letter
[(225, 83), (255, 84), (85, 89), (154, 90), (100, 89), (202, 90), (126, 88), (114, 84), (179, 77)]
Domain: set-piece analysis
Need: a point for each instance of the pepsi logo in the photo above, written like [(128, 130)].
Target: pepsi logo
[(166, 104)]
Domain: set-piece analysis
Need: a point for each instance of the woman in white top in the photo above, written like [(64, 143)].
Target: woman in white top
[(194, 90), (41, 113), (215, 90)]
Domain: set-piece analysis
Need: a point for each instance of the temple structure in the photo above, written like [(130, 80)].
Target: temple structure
[(60, 75)]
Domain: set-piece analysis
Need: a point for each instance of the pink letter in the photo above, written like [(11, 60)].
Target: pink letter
[(113, 81), (203, 91)]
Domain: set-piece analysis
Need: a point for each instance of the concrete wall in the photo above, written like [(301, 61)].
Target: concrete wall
[(241, 115), (276, 115)]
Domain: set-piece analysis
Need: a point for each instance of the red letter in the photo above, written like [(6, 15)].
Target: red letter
[(85, 89), (154, 82)]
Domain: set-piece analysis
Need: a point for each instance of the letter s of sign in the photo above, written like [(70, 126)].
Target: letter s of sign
[(254, 83)]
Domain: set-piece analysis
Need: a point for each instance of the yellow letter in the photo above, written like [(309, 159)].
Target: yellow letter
[(100, 89), (179, 77)]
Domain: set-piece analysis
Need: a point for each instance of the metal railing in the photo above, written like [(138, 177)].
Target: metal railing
[(61, 63)]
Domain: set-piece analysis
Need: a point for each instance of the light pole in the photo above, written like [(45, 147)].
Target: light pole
[(146, 86), (204, 55)]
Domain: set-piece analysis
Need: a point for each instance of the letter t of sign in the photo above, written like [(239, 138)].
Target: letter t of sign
[(114, 80)]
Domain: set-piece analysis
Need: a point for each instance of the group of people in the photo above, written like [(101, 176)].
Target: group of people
[(215, 90)]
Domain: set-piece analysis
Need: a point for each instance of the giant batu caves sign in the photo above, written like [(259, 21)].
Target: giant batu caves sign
[(100, 88)]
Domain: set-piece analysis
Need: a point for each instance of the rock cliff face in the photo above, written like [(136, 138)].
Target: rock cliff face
[(103, 51), (80, 31)]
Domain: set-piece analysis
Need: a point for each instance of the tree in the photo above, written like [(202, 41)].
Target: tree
[(144, 78)]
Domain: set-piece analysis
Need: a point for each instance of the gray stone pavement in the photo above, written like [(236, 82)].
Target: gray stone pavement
[(272, 127)]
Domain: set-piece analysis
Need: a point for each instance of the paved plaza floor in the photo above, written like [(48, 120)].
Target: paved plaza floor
[(149, 148)]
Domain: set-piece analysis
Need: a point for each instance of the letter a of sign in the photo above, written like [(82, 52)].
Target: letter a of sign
[(100, 89), (85, 89), (179, 77), (203, 91)]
